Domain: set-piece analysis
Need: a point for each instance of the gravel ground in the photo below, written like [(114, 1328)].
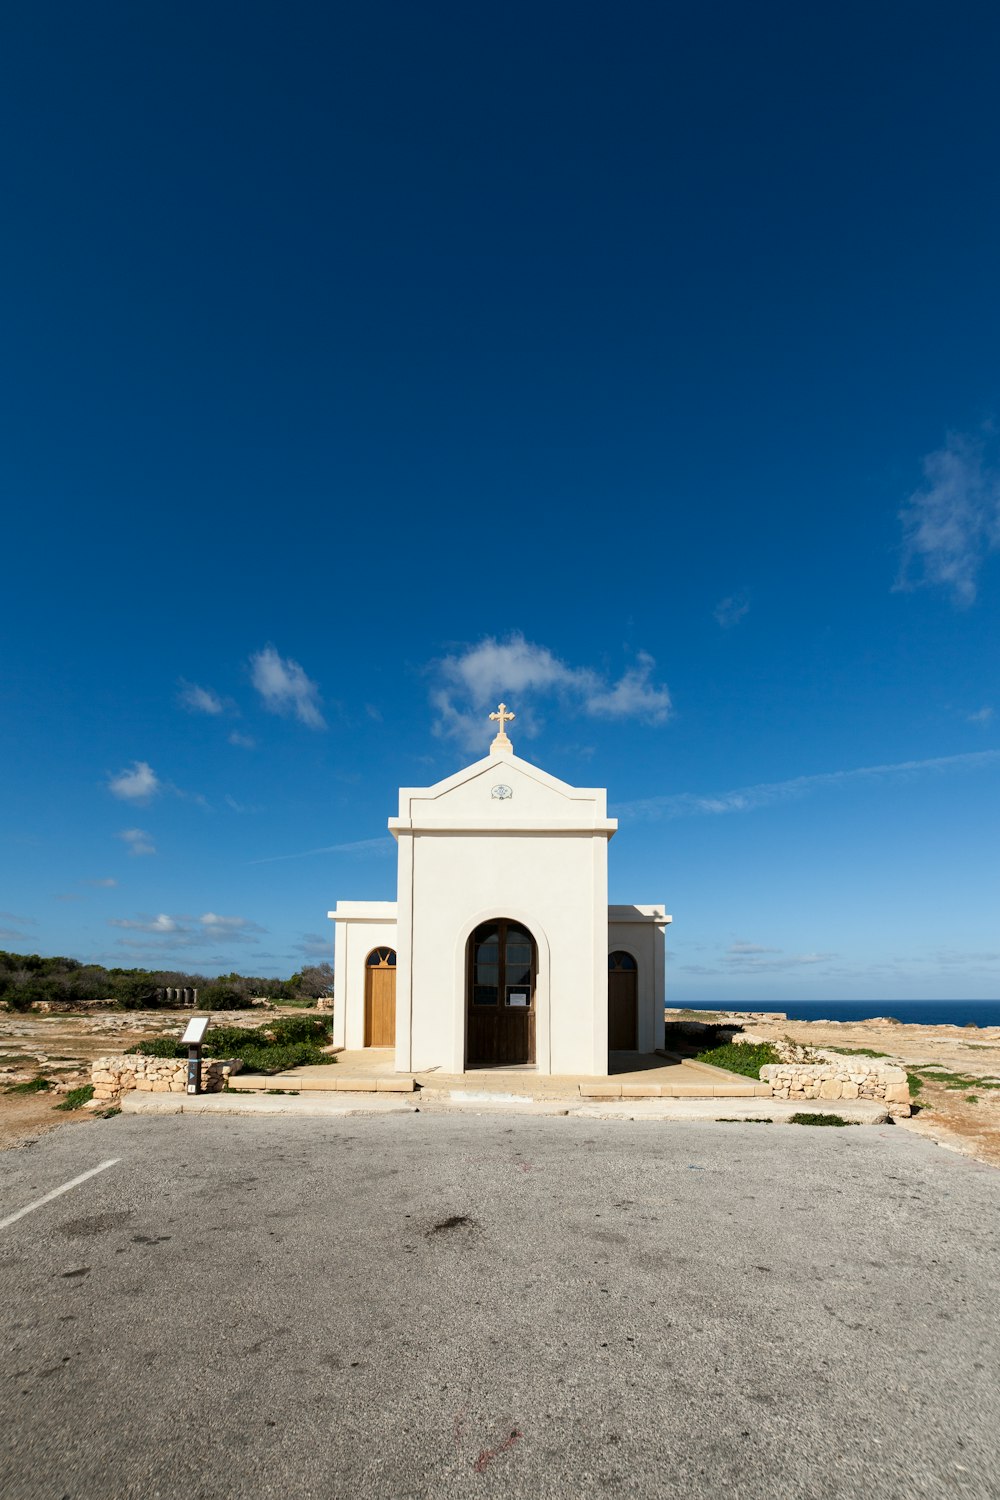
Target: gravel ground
[(410, 1306)]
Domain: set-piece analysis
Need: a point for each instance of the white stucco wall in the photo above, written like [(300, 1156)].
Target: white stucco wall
[(641, 931), (359, 926)]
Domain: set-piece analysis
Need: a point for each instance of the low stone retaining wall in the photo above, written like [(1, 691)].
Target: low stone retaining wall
[(114, 1076), (854, 1078)]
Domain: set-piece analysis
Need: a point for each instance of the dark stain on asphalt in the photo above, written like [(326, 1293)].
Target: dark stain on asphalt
[(95, 1224), (151, 1239), (456, 1221)]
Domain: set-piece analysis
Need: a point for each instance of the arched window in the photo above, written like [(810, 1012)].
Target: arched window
[(381, 958), (619, 960)]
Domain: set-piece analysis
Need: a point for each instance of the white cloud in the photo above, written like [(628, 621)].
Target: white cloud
[(285, 688), (765, 794), (138, 841), (245, 741), (199, 700), (214, 923), (108, 881), (633, 696), (952, 522), (736, 950), (190, 932), (160, 924), (469, 684), (136, 785), (981, 716), (729, 612)]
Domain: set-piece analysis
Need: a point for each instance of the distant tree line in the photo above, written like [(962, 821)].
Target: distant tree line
[(26, 978)]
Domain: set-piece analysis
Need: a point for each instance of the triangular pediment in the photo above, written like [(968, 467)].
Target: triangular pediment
[(501, 793)]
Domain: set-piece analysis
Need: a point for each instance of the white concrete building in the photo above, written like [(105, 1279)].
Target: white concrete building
[(501, 948)]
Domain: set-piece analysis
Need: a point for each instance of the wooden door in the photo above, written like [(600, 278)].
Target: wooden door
[(623, 1003), (380, 998), (500, 996)]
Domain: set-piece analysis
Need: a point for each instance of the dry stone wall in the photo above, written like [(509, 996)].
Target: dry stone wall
[(114, 1076), (849, 1078)]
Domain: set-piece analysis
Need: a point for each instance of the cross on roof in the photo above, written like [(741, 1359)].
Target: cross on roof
[(502, 717)]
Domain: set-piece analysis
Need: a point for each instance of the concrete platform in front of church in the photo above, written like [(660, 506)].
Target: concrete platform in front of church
[(632, 1075)]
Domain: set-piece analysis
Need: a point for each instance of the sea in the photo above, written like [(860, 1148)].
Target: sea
[(910, 1012)]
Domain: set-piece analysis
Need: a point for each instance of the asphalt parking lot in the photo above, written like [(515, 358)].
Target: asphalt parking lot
[(477, 1305)]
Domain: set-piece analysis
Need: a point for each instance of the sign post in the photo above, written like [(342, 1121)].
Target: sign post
[(193, 1036)]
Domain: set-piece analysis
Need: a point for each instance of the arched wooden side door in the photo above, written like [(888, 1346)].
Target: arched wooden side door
[(500, 996), (623, 1003), (380, 998)]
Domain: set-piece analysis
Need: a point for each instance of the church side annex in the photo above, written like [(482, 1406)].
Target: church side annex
[(500, 949)]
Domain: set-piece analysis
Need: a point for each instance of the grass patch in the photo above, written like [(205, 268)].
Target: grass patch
[(807, 1119), (745, 1058), (11, 1059), (952, 1080), (752, 1120), (972, 1098), (77, 1098), (29, 1086), (857, 1051)]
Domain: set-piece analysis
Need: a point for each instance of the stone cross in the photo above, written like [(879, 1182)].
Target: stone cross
[(502, 717)]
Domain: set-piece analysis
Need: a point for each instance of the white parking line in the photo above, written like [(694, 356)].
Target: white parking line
[(57, 1192)]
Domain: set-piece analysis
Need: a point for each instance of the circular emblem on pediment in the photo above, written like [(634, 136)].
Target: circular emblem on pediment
[(501, 792)]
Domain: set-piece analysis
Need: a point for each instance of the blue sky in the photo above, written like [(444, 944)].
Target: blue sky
[(639, 365)]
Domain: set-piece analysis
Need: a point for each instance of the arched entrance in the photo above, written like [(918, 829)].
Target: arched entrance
[(501, 965), (623, 1002), (380, 998)]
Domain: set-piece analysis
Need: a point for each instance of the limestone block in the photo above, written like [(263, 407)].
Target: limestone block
[(159, 1087), (177, 1088), (897, 1093), (850, 1090), (830, 1088)]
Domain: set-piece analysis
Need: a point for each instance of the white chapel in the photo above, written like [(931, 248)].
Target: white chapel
[(500, 949)]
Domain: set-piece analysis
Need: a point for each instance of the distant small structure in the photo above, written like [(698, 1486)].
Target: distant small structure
[(177, 995)]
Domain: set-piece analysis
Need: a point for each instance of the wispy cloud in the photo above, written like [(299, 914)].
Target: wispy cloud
[(952, 521), (765, 794), (199, 700), (189, 931), (381, 846), (753, 958), (729, 612), (138, 841), (982, 715), (315, 945), (245, 741), (107, 882), (139, 784), (285, 689), (18, 922), (467, 684)]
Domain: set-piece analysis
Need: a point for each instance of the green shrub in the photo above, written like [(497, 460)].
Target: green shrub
[(223, 997), (277, 1059), (77, 1098), (301, 1029), (29, 1086), (746, 1058), (158, 1046), (807, 1119)]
